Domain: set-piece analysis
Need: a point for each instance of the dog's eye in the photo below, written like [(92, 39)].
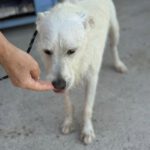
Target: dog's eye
[(48, 52), (71, 51)]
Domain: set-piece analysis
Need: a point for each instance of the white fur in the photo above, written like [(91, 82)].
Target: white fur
[(83, 26)]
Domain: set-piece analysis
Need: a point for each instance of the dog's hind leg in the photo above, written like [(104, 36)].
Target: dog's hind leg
[(87, 134), (114, 40), (68, 124)]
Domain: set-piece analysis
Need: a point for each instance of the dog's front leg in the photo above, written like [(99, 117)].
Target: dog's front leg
[(68, 125), (88, 134)]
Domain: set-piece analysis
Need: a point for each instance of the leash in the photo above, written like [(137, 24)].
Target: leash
[(28, 51)]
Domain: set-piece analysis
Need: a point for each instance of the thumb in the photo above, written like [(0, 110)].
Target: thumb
[(39, 85)]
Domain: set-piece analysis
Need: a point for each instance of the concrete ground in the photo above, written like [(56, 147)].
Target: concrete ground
[(32, 120)]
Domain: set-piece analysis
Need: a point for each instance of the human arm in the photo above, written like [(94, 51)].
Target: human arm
[(21, 68)]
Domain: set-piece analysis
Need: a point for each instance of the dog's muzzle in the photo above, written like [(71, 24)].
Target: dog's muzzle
[(59, 85)]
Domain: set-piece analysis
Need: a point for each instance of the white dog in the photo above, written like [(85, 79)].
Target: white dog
[(71, 39)]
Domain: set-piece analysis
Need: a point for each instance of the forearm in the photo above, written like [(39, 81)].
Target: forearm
[(6, 48), (3, 46)]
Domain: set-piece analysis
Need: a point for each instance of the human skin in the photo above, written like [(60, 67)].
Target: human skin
[(22, 69)]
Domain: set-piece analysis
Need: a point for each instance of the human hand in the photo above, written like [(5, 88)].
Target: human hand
[(22, 69)]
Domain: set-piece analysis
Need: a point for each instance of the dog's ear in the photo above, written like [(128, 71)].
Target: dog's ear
[(86, 19), (40, 17)]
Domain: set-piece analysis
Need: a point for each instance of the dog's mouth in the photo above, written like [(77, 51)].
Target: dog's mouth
[(59, 90)]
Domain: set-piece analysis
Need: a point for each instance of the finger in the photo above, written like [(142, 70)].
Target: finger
[(35, 73), (39, 85)]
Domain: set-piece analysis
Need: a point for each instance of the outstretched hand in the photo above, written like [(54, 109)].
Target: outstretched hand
[(21, 68)]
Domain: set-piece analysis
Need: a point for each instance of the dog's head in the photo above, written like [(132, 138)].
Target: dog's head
[(62, 34)]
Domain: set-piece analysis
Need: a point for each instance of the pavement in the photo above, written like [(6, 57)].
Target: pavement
[(31, 120)]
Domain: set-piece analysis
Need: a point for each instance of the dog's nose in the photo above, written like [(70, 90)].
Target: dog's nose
[(59, 84)]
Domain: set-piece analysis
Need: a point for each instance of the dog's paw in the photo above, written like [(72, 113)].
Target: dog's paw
[(87, 135), (68, 127), (121, 67)]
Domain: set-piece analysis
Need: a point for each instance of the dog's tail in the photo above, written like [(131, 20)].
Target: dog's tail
[(114, 24)]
